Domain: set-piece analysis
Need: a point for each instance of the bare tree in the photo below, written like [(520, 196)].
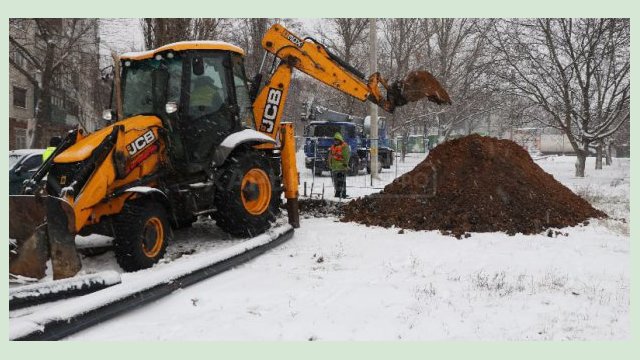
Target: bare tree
[(346, 38), (162, 31), (248, 35), (457, 53), (210, 28), (577, 71), (402, 48), (55, 44)]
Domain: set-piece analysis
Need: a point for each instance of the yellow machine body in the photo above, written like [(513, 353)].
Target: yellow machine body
[(141, 151)]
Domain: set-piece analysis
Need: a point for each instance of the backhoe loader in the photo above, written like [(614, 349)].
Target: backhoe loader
[(189, 138)]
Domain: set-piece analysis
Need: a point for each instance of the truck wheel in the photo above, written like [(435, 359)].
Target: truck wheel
[(379, 169), (353, 167), (247, 195), (142, 233)]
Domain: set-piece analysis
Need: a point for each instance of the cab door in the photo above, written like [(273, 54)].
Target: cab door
[(209, 115)]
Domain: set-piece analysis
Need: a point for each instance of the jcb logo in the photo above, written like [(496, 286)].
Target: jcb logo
[(271, 111), (293, 39), (140, 143)]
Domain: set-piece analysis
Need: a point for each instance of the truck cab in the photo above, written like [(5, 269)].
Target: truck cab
[(319, 138)]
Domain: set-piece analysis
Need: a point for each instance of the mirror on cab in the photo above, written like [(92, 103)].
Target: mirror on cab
[(108, 115), (171, 107)]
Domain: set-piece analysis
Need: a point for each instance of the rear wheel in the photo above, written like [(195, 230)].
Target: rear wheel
[(353, 167), (142, 233), (248, 195)]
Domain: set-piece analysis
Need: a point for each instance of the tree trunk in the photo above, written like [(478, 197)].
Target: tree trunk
[(581, 158), (43, 103), (405, 140), (607, 153), (599, 156)]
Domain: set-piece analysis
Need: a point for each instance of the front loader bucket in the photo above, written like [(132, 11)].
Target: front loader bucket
[(28, 231), (418, 85), (42, 227)]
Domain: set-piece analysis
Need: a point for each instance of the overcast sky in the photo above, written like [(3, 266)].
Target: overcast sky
[(122, 35)]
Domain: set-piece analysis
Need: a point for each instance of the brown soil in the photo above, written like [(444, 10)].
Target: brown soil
[(420, 84), (476, 184)]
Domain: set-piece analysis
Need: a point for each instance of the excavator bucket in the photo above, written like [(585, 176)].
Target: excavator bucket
[(415, 86), (42, 227)]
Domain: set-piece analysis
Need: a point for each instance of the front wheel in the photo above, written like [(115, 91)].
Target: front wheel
[(142, 233), (248, 195)]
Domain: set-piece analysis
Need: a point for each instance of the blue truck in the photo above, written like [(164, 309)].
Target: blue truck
[(324, 123)]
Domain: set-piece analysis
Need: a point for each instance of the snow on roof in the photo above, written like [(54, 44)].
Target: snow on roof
[(182, 46), (25, 151)]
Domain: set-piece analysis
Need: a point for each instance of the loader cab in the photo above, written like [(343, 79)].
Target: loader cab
[(198, 89)]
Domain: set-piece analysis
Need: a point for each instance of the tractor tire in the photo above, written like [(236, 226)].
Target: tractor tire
[(247, 195), (142, 233)]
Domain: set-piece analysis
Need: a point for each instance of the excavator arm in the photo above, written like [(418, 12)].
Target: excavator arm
[(315, 60), (312, 58)]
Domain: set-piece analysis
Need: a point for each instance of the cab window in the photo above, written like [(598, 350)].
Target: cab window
[(245, 106), (208, 86)]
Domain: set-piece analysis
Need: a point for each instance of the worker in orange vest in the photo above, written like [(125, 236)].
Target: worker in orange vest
[(339, 154)]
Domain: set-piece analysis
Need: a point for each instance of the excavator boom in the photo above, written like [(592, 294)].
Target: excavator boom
[(314, 59)]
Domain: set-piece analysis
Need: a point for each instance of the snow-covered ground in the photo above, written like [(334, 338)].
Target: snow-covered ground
[(343, 281)]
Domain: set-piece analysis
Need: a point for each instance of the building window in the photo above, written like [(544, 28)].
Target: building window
[(20, 97), (71, 107), (57, 101), (18, 58), (21, 138)]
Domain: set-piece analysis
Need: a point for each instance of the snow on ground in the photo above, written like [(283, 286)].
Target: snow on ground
[(203, 237), (344, 281)]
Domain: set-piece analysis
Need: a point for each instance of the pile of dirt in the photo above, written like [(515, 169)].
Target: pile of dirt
[(474, 184)]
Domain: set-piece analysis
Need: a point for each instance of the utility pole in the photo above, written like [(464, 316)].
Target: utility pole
[(373, 108)]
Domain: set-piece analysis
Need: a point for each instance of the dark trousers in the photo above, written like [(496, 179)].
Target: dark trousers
[(340, 183)]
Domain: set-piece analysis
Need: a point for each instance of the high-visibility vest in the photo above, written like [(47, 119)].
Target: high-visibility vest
[(47, 152), (336, 151)]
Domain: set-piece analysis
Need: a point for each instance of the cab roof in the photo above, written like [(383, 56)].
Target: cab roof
[(183, 46)]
